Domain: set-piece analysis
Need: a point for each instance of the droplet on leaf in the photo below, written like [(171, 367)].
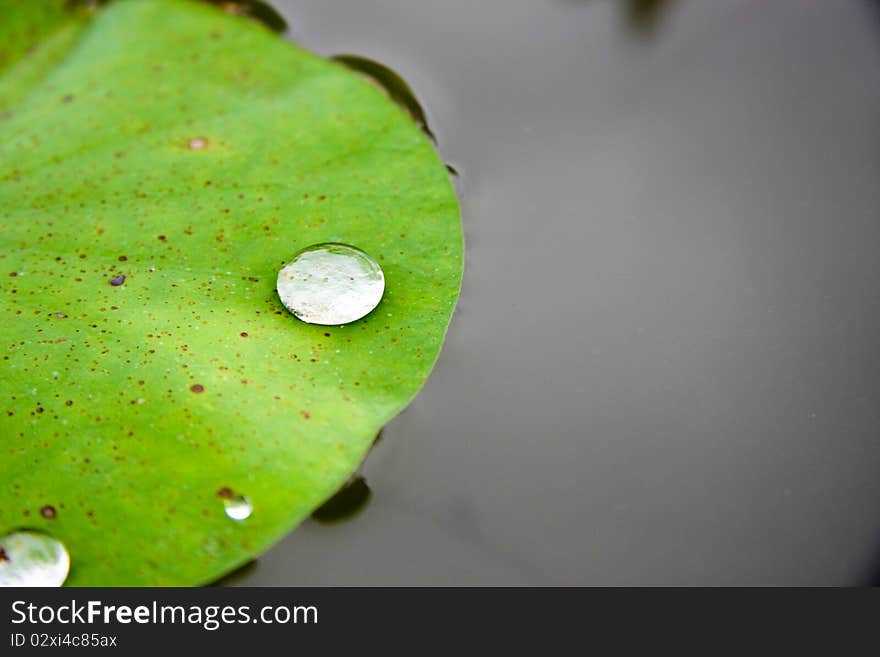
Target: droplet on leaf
[(32, 559), (238, 507), (331, 284)]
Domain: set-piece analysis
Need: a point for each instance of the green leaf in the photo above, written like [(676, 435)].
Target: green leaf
[(97, 178)]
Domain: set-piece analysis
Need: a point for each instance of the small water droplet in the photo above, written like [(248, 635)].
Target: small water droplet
[(238, 507), (331, 284), (32, 559)]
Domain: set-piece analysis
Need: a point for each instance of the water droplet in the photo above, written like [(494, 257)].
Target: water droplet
[(238, 507), (32, 559), (331, 284)]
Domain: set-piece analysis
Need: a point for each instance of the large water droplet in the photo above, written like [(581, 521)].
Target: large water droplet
[(331, 284), (32, 559), (238, 507)]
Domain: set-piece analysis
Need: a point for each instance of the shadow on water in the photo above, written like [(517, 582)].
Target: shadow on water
[(641, 17), (392, 84), (397, 89), (644, 16), (400, 93), (259, 11), (348, 501)]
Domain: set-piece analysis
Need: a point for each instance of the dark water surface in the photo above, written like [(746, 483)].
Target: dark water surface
[(665, 366)]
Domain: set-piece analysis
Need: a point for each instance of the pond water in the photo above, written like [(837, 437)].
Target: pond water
[(665, 365)]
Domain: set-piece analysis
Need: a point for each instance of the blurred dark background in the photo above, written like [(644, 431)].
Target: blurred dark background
[(665, 366)]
